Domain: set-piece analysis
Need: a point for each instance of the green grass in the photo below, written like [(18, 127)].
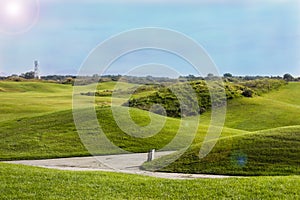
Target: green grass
[(114, 85), (200, 101), (260, 113), (261, 137), (269, 152), (22, 182), (7, 86), (288, 94), (44, 134), (29, 99), (55, 135), (270, 147), (272, 110)]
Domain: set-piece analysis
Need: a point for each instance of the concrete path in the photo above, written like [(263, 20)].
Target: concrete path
[(125, 163)]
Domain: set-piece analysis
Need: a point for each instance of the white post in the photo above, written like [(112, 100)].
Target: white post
[(151, 155)]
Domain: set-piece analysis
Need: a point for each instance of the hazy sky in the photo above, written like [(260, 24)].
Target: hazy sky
[(248, 38)]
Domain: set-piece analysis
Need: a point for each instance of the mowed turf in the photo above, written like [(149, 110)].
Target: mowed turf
[(29, 99), (272, 150), (269, 152), (55, 135), (289, 94), (22, 182), (37, 122), (259, 113)]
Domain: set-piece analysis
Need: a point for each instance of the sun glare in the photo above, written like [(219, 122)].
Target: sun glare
[(18, 16), (14, 9)]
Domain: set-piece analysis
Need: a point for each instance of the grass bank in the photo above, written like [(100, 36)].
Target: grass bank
[(22, 182)]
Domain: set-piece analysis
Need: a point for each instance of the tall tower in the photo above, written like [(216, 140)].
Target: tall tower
[(36, 70)]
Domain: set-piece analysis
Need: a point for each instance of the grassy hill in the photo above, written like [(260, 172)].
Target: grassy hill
[(22, 182), (36, 122), (55, 135), (272, 110), (271, 146), (29, 99), (261, 137), (269, 152), (178, 99)]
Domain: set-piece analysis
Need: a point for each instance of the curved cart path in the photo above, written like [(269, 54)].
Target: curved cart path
[(124, 163)]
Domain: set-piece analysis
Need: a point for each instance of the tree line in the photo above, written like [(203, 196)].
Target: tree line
[(140, 80)]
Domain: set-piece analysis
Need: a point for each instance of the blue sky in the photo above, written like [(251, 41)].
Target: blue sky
[(242, 37)]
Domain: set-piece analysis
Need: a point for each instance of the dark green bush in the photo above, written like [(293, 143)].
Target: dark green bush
[(248, 93), (188, 106)]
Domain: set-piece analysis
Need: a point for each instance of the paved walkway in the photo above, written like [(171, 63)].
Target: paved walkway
[(124, 163)]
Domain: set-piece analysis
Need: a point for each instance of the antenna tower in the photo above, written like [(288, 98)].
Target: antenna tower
[(36, 70)]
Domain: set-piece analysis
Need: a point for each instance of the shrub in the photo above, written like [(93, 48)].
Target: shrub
[(248, 93)]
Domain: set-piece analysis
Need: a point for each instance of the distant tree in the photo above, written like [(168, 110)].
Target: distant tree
[(210, 75), (68, 80), (190, 77), (116, 77), (227, 75), (247, 93), (297, 79), (288, 77), (28, 75)]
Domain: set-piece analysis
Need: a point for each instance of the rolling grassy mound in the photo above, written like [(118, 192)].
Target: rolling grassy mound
[(36, 122), (178, 99), (260, 113), (264, 151), (288, 94), (38, 87), (263, 112), (23, 182), (55, 135), (29, 99), (269, 152)]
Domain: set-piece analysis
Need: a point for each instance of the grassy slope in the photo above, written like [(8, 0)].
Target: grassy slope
[(30, 123), (22, 182), (270, 152), (29, 99), (260, 113), (54, 134), (115, 85), (267, 150), (289, 94), (59, 138), (264, 112)]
